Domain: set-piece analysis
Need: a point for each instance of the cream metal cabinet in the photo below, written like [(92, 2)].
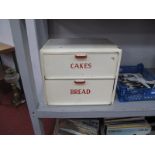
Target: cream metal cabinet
[(80, 71)]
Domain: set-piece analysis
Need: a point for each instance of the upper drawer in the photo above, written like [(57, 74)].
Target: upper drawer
[(84, 65)]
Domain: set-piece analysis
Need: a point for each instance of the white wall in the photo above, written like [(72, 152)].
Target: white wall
[(6, 37)]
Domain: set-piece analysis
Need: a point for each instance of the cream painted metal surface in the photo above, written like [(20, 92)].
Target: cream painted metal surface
[(91, 65), (79, 92), (80, 71), (76, 45)]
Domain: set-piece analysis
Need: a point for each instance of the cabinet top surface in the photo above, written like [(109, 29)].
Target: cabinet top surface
[(79, 45), (4, 48)]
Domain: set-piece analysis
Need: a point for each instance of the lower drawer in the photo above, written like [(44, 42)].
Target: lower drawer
[(79, 92)]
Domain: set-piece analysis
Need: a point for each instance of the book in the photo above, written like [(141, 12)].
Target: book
[(126, 126), (77, 127), (129, 130)]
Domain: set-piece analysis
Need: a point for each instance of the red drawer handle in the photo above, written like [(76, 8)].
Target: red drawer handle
[(79, 82), (81, 56)]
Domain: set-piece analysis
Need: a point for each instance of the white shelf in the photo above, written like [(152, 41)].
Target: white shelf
[(135, 37), (118, 109)]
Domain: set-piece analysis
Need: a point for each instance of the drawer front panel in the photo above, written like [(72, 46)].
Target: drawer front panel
[(80, 65), (79, 92)]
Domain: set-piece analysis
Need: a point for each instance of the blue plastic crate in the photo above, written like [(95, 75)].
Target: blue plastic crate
[(139, 94)]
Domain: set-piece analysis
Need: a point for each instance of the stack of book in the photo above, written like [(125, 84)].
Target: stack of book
[(126, 126), (77, 127)]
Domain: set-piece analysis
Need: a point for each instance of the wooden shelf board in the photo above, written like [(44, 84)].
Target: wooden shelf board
[(5, 49)]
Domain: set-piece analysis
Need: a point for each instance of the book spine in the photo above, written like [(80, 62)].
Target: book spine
[(129, 131)]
